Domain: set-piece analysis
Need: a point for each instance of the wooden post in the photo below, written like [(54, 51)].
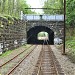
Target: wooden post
[(63, 53)]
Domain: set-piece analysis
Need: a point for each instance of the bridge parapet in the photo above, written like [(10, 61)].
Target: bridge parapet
[(44, 17)]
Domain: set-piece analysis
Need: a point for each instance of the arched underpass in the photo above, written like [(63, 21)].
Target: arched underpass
[(43, 36), (33, 32)]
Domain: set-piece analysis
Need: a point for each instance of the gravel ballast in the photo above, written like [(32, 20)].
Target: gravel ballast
[(67, 66), (28, 65), (14, 53)]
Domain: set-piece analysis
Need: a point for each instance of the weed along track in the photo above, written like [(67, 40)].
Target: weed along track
[(14, 57), (12, 64), (47, 63)]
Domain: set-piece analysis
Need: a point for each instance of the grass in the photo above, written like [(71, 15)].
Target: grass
[(71, 56), (6, 53), (70, 44), (10, 51)]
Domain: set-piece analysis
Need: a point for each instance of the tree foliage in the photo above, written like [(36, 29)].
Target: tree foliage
[(14, 7), (54, 5), (70, 13)]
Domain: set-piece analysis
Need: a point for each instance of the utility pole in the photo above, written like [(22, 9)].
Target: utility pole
[(63, 53)]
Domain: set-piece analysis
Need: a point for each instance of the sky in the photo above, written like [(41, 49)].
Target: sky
[(36, 4)]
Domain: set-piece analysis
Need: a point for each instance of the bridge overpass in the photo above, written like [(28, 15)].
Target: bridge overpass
[(52, 24)]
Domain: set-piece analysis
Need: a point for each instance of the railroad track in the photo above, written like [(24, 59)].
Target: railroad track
[(47, 63), (8, 67), (14, 57)]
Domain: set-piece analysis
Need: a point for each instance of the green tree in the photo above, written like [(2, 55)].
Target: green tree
[(56, 7), (2, 5), (14, 7), (70, 15)]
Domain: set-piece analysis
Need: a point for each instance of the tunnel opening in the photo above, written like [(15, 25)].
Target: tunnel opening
[(42, 36), (34, 33)]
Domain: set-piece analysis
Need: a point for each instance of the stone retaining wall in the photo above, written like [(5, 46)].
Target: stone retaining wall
[(12, 34)]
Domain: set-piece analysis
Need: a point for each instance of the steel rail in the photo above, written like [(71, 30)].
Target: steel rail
[(14, 57), (56, 67), (39, 68), (20, 62), (53, 60)]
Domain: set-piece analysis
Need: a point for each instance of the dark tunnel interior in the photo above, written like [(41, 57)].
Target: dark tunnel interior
[(32, 35)]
